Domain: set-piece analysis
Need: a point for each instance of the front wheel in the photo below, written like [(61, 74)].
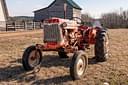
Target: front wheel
[(31, 58), (78, 65)]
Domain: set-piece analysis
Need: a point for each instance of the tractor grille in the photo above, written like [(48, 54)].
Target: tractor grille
[(52, 33)]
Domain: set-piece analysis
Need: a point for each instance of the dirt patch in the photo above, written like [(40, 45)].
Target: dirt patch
[(55, 70)]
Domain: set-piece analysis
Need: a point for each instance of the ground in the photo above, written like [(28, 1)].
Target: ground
[(55, 70)]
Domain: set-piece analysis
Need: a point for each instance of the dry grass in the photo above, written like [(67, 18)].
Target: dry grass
[(55, 70)]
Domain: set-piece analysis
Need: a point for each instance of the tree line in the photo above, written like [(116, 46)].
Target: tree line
[(110, 20)]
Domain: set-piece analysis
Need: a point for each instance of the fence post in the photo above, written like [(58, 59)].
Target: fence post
[(14, 25), (33, 25), (24, 25), (6, 26)]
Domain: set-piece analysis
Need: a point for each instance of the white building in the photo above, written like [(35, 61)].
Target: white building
[(3, 14)]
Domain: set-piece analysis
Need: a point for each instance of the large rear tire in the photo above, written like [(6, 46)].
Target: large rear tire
[(32, 58), (102, 47), (78, 65)]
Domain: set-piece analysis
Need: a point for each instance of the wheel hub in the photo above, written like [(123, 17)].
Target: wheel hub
[(80, 66), (34, 58)]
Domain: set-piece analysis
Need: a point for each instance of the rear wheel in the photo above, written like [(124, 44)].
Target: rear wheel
[(31, 58), (102, 47), (78, 65)]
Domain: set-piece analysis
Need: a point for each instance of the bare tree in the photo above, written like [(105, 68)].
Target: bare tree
[(115, 20)]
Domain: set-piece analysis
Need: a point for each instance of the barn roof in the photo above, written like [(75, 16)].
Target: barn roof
[(73, 4), (70, 2)]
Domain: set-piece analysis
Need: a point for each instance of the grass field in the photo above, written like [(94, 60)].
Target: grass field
[(55, 70)]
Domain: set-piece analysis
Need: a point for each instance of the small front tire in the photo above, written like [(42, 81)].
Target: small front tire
[(32, 58), (78, 65)]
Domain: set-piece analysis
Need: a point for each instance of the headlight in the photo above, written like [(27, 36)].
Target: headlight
[(64, 24)]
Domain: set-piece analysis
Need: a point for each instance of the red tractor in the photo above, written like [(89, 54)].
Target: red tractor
[(68, 36)]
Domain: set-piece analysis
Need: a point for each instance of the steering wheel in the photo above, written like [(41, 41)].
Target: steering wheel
[(78, 20)]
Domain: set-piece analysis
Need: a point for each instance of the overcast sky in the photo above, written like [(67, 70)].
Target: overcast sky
[(93, 7)]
